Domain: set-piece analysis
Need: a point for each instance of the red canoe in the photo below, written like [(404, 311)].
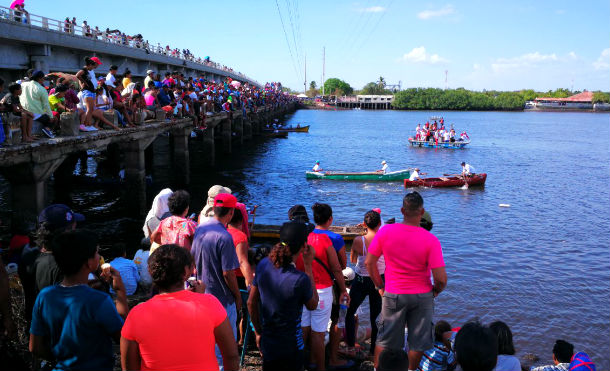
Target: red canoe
[(454, 181)]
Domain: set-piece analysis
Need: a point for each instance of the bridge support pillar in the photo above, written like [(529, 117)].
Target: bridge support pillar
[(226, 135), (247, 128), (180, 138), (29, 185), (238, 123), (135, 174), (209, 149)]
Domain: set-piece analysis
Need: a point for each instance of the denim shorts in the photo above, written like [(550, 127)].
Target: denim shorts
[(87, 94)]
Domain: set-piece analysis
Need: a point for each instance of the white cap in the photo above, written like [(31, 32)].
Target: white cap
[(349, 274), (383, 162), (149, 72)]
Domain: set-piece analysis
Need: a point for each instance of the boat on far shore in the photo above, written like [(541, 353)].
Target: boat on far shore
[(398, 175), (454, 181)]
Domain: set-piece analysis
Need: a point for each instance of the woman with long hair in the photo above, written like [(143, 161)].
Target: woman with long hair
[(362, 285), (277, 298), (506, 349), (88, 85)]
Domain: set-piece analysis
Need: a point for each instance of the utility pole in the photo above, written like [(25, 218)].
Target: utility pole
[(305, 82), (323, 67), (446, 84)]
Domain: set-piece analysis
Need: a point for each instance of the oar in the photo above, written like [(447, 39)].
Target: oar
[(465, 186), (452, 174)]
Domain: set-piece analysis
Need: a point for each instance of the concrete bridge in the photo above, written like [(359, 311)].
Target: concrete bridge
[(44, 44), (28, 167)]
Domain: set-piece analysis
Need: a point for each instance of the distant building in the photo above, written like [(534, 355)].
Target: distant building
[(582, 100)]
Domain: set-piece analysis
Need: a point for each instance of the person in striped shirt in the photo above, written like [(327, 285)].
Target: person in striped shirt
[(441, 356)]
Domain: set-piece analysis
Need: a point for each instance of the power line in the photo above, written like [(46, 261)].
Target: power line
[(294, 38), (287, 42), (373, 29)]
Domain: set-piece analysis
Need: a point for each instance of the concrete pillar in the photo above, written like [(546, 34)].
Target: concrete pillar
[(247, 129), (135, 174), (226, 135), (180, 138), (238, 124), (209, 149), (28, 184)]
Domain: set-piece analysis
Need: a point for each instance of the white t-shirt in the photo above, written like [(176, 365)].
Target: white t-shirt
[(316, 167), (110, 80), (467, 169), (141, 260), (414, 175), (385, 168), (446, 136)]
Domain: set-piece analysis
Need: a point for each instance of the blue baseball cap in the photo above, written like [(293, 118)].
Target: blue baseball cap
[(59, 216)]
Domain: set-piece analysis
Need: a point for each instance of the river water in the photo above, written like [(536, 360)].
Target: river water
[(541, 265)]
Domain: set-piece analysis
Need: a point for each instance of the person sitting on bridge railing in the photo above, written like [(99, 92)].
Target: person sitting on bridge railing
[(35, 99), (11, 104)]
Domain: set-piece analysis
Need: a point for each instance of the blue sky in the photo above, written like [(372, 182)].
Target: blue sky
[(503, 45)]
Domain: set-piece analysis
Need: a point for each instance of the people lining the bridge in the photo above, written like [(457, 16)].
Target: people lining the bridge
[(35, 99)]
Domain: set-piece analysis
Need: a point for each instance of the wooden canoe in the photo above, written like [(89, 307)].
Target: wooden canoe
[(301, 129), (454, 181), (362, 176), (264, 231)]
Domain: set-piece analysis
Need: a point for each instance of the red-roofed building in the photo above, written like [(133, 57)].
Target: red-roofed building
[(582, 100)]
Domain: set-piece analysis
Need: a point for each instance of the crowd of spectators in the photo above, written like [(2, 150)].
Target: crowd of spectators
[(195, 277), (42, 98)]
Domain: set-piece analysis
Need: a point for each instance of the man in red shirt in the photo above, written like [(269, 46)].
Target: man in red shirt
[(410, 254)]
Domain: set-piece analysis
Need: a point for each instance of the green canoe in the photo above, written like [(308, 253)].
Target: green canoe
[(399, 175)]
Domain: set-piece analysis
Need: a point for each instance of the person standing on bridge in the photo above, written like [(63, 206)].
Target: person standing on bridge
[(88, 84)]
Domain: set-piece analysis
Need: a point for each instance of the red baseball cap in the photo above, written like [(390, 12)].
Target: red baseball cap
[(96, 60), (225, 200)]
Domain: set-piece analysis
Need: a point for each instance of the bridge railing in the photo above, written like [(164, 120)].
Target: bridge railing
[(112, 37)]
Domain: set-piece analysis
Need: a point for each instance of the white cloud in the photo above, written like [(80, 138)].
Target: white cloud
[(522, 61), (427, 14), (373, 9), (603, 62), (419, 55), (476, 66), (572, 55)]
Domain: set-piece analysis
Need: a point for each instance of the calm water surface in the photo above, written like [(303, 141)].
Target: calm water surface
[(542, 265)]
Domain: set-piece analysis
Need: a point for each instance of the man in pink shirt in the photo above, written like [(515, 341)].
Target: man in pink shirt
[(410, 253)]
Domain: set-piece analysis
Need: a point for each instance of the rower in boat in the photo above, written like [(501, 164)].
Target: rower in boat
[(467, 170), (317, 168), (414, 175), (385, 168)]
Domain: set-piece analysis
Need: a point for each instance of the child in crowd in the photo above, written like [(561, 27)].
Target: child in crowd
[(127, 268), (73, 324), (441, 356), (141, 262), (56, 101), (12, 104)]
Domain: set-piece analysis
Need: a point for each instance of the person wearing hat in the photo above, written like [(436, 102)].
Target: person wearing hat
[(35, 99), (216, 259), (384, 168), (88, 86), (208, 210), (38, 268), (414, 175), (317, 168), (111, 76), (150, 77), (277, 297)]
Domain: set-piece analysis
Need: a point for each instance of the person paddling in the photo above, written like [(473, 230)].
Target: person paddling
[(317, 168), (385, 168)]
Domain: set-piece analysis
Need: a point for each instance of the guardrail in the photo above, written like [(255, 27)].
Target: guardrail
[(109, 36)]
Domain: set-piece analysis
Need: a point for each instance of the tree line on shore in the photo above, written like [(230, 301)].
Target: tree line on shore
[(448, 99)]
